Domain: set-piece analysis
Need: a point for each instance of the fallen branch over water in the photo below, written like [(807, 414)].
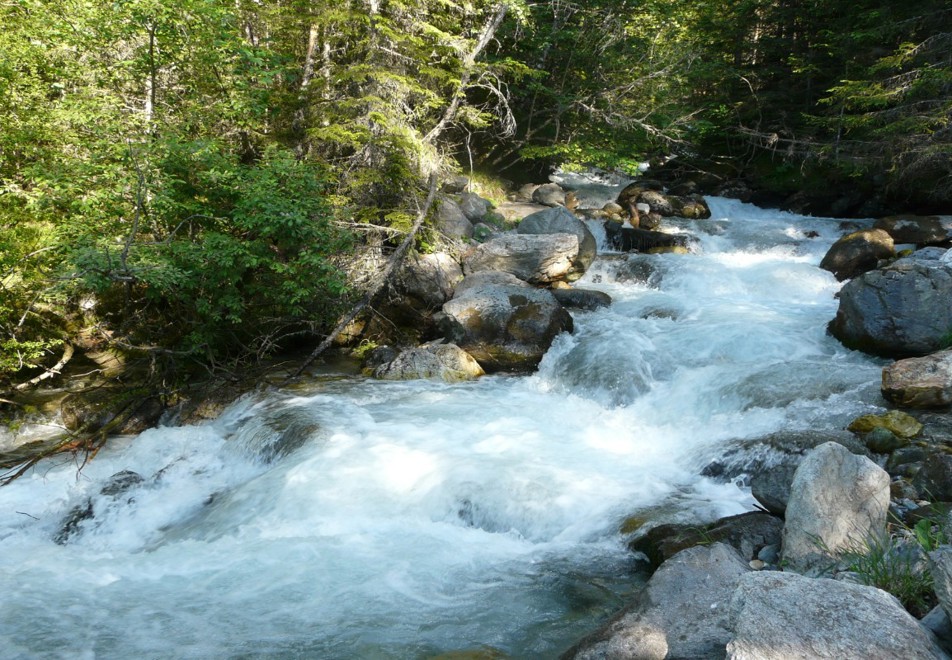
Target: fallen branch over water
[(376, 285), (55, 370)]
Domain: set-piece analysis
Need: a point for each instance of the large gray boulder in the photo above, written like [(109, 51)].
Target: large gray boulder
[(429, 279), (418, 290), (538, 259), (681, 613), (902, 310), (837, 500), (474, 207), (505, 326), (924, 382), (446, 362), (857, 253), (560, 220), (783, 616), (918, 229), (450, 220), (549, 194)]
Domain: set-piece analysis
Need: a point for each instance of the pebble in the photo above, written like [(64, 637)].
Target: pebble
[(757, 564)]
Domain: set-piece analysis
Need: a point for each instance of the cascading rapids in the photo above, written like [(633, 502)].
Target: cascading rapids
[(356, 518)]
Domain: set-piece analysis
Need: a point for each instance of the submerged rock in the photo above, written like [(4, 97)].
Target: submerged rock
[(681, 613), (784, 616), (115, 486), (748, 533), (837, 500), (628, 239), (585, 299)]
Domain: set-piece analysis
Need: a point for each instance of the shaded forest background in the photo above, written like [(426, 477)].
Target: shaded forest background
[(205, 182)]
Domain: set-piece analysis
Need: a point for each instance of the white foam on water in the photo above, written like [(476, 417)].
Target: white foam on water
[(394, 520)]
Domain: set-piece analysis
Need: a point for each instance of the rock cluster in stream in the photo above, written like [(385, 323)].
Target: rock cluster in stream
[(759, 586), (790, 582), (503, 296)]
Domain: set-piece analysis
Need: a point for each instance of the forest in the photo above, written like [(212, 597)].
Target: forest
[(204, 183)]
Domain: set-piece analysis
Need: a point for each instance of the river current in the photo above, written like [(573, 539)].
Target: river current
[(352, 518)]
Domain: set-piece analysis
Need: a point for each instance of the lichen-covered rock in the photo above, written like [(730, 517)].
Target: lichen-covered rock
[(837, 499), (505, 326), (560, 220), (857, 253), (902, 310), (918, 229), (681, 613), (902, 424), (784, 616), (924, 382), (446, 362), (450, 220), (536, 258)]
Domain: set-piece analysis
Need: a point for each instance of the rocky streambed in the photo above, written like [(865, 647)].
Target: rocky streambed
[(556, 410)]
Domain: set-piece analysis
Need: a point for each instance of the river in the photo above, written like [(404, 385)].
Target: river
[(351, 518)]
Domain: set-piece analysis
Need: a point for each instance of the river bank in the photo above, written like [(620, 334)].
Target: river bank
[(353, 517)]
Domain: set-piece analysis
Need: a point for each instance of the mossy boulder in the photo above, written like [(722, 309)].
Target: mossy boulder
[(897, 422)]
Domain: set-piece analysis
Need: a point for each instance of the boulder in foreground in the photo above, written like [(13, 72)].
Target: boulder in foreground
[(784, 616), (681, 613), (837, 499)]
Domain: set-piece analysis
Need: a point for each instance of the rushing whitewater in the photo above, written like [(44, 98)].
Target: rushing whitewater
[(350, 518)]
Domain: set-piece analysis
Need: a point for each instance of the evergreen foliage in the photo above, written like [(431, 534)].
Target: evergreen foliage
[(193, 177)]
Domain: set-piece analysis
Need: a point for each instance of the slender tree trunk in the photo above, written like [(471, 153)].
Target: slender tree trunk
[(377, 283), (485, 36)]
